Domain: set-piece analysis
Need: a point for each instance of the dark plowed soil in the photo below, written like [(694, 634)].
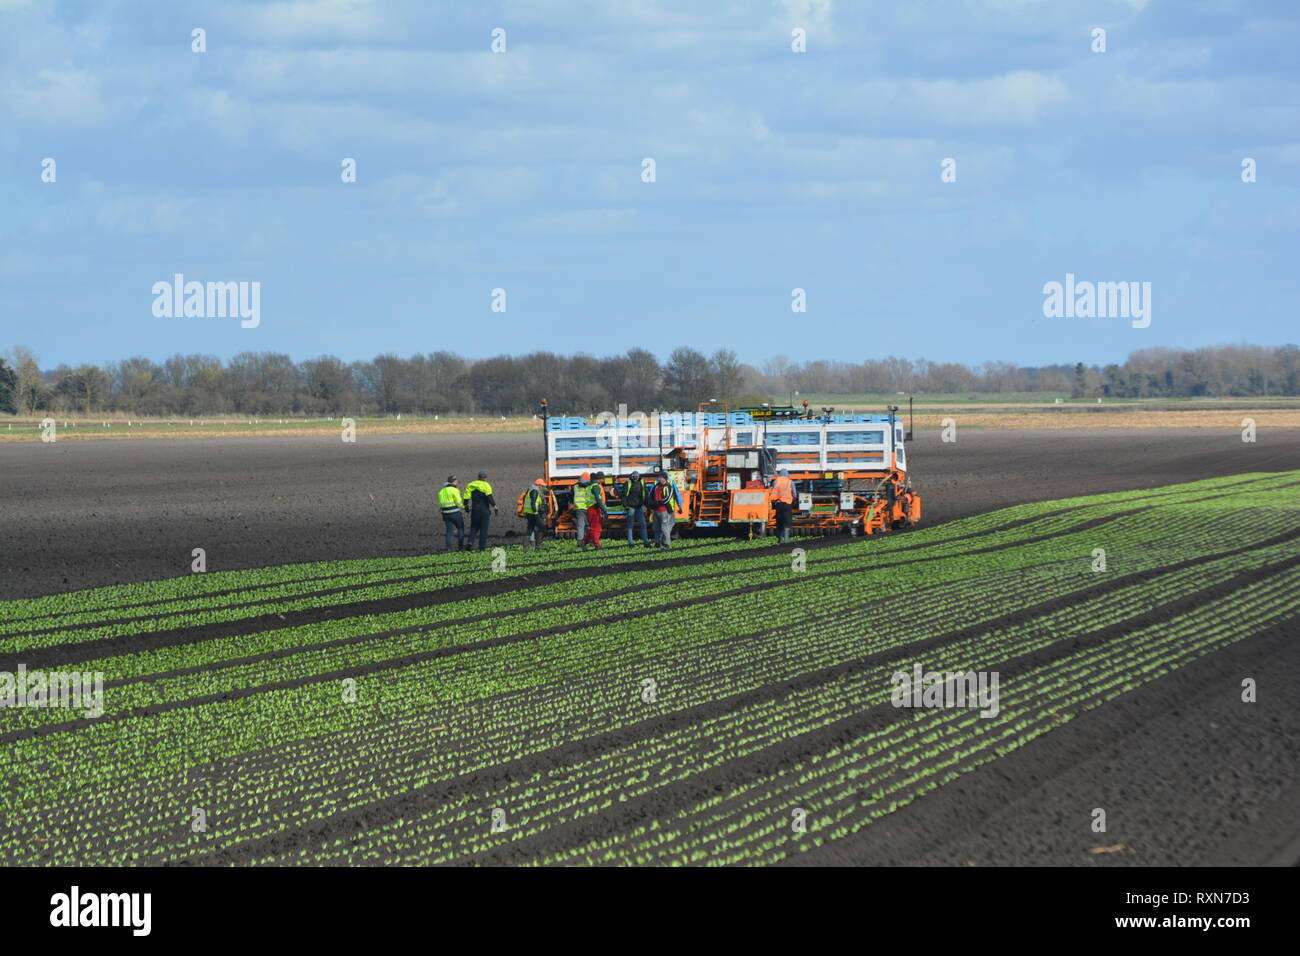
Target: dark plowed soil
[(83, 514), (1187, 773)]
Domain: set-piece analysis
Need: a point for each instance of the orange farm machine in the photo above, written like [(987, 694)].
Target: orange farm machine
[(849, 470)]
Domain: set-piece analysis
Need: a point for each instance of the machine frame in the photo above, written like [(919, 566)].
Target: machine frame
[(850, 471)]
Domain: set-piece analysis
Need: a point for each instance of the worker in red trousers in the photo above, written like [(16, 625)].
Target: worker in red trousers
[(596, 513), (589, 508)]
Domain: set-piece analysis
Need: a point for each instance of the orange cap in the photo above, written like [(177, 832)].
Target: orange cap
[(586, 476)]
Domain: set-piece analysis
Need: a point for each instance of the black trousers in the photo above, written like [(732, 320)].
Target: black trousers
[(536, 528), (784, 516), (454, 520), (478, 522)]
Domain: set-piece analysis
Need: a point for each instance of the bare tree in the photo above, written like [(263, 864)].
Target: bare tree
[(725, 370), (86, 388), (29, 384), (687, 378)]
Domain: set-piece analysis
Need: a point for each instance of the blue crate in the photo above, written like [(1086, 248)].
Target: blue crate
[(873, 437), (575, 444), (793, 438), (566, 424), (859, 418)]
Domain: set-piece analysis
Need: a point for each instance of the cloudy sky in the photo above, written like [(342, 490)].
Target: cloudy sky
[(522, 170)]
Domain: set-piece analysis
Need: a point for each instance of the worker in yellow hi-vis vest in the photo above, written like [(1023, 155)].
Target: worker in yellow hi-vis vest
[(450, 504), (534, 505), (588, 509), (482, 506)]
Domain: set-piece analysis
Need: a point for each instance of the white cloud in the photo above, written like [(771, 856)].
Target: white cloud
[(347, 20), (579, 222), (1017, 98), (68, 97)]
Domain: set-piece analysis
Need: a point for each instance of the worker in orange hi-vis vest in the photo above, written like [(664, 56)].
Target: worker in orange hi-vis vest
[(782, 494)]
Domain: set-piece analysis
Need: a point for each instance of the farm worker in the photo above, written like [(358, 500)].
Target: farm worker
[(450, 503), (783, 501), (482, 506), (907, 502), (584, 502), (635, 494), (663, 502), (583, 496), (535, 507), (756, 482), (596, 513)]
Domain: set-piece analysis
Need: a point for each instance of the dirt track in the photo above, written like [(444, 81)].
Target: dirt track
[(82, 514), (1187, 773)]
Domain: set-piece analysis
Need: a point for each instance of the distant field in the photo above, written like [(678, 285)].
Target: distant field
[(1118, 419), (80, 429), (877, 399), (1016, 410), (980, 411), (1022, 400)]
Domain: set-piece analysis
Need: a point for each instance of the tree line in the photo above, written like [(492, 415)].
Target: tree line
[(443, 383)]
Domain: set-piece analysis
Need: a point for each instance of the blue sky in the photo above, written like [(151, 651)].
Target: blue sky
[(522, 170)]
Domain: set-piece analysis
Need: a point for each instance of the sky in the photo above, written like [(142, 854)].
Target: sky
[(523, 170)]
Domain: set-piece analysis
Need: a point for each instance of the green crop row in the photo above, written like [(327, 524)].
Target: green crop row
[(474, 703)]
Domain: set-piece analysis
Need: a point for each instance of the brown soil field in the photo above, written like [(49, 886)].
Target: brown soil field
[(1191, 776), (84, 514)]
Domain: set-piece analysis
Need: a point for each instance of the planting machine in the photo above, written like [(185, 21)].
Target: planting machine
[(850, 470)]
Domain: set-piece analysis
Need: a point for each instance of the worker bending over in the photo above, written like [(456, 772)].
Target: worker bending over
[(535, 507), (908, 498), (450, 504), (482, 506), (783, 502)]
